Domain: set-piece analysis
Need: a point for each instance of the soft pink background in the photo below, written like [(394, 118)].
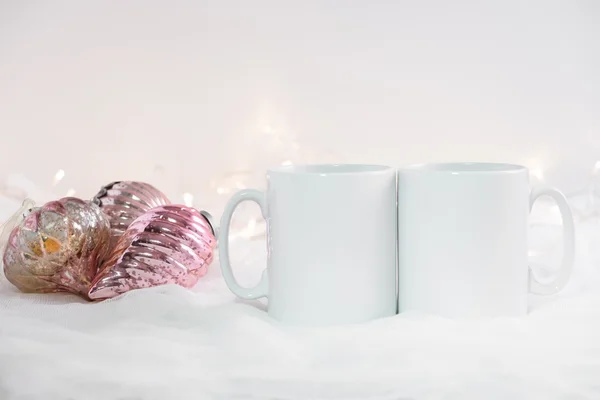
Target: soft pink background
[(181, 93)]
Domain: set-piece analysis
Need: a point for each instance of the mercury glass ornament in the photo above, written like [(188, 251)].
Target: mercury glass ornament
[(171, 244), (57, 247), (124, 201)]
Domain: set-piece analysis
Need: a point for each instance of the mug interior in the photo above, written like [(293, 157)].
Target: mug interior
[(330, 168), (465, 167)]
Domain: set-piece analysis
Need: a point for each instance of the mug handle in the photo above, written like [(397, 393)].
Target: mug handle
[(262, 289), (566, 266)]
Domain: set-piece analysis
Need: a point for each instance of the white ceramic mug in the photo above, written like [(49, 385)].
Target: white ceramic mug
[(331, 243), (462, 239)]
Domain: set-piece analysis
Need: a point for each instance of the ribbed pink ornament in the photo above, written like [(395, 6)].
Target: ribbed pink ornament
[(124, 201), (168, 244), (57, 247)]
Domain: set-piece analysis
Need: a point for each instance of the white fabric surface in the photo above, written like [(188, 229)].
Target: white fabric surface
[(171, 343)]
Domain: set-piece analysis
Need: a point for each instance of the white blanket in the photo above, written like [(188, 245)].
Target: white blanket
[(172, 343)]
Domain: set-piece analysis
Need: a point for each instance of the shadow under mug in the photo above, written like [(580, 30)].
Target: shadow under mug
[(331, 243), (462, 239)]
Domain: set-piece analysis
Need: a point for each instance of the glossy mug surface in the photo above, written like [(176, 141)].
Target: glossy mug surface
[(331, 238), (462, 239)]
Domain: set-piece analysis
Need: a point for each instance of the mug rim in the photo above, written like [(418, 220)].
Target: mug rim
[(466, 167), (331, 169)]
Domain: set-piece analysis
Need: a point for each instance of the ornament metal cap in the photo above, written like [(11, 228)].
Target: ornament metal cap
[(103, 192), (211, 222)]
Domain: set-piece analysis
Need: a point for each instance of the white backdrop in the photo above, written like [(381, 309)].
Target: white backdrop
[(181, 93), (178, 93)]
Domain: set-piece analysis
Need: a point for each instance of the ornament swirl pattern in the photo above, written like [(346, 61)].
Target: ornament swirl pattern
[(124, 201), (170, 244), (57, 247)]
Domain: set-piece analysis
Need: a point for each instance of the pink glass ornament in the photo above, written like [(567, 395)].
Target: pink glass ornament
[(57, 247), (168, 244), (124, 201)]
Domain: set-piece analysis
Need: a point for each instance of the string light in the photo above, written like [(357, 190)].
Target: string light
[(188, 199), (532, 253), (249, 231), (60, 174), (585, 202), (537, 173)]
